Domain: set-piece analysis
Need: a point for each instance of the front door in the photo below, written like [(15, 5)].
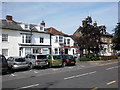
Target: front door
[(66, 51)]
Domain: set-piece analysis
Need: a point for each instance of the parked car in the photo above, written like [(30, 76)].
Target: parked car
[(17, 63), (3, 64), (55, 60), (38, 60), (68, 60)]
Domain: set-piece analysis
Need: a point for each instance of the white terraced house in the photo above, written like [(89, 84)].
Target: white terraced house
[(62, 43), (19, 39)]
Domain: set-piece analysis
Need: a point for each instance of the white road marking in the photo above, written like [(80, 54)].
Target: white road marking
[(13, 75), (35, 72), (112, 67), (82, 66), (79, 75), (55, 69), (69, 67), (27, 86)]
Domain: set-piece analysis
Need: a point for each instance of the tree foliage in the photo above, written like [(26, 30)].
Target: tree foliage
[(90, 36), (116, 38)]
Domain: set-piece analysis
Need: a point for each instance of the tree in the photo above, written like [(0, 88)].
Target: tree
[(116, 37), (90, 36)]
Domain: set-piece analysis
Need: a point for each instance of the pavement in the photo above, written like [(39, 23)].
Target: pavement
[(89, 74)]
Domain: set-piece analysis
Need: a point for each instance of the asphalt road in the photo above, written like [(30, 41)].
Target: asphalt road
[(85, 75)]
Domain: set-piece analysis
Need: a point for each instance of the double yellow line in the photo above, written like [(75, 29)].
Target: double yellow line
[(106, 83), (110, 82), (107, 63)]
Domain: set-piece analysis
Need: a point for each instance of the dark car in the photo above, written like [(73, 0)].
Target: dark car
[(68, 60), (3, 64)]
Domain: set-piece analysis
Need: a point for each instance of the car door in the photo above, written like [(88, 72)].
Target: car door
[(27, 58), (49, 59), (10, 61), (57, 60), (33, 59)]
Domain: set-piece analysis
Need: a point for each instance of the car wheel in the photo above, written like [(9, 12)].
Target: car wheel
[(30, 66), (49, 65), (64, 64), (11, 69)]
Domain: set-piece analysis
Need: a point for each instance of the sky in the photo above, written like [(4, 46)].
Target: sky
[(64, 16)]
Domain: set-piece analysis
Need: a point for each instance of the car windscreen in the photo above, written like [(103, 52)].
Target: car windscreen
[(20, 59), (41, 56), (68, 57), (57, 57)]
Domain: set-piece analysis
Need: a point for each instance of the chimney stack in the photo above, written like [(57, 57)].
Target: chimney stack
[(8, 17), (43, 23)]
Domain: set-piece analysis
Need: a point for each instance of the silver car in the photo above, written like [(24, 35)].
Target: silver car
[(37, 60), (17, 63)]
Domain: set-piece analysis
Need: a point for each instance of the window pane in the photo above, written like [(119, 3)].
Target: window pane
[(20, 59), (22, 38), (56, 39), (27, 51), (60, 39), (26, 26), (68, 41), (28, 39), (56, 51), (5, 52), (41, 28), (41, 56), (4, 37), (41, 40)]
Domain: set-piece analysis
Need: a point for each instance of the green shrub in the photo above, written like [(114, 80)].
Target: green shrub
[(109, 57), (84, 59), (92, 56)]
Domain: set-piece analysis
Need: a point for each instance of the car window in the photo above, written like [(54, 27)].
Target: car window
[(33, 56), (20, 59), (27, 56), (57, 57), (41, 56), (49, 57), (68, 57)]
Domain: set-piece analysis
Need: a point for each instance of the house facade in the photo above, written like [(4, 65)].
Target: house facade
[(62, 43), (19, 39)]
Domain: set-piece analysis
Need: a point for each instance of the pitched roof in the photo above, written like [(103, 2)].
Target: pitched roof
[(9, 25), (55, 31), (12, 25)]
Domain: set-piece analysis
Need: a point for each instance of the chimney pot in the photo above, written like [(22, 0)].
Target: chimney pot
[(8, 17), (43, 23)]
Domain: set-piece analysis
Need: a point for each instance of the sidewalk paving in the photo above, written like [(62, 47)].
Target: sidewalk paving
[(99, 61)]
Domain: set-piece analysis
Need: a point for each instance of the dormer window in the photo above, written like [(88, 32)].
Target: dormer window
[(41, 28), (26, 26)]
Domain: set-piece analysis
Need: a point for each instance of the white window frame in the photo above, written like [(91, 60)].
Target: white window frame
[(68, 41), (41, 28), (26, 39), (56, 39), (60, 39), (26, 26), (4, 37), (27, 51), (5, 52)]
